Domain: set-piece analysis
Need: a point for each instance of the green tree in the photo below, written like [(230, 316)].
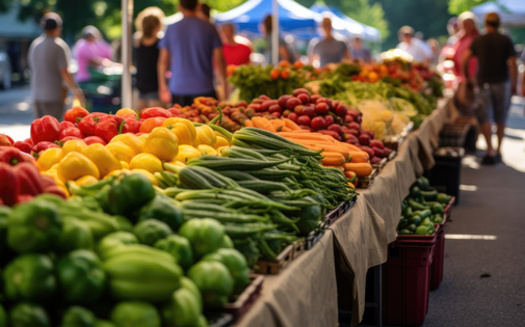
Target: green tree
[(428, 16), (456, 7)]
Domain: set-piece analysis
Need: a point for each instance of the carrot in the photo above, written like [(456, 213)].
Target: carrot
[(278, 124), (286, 129), (362, 169), (351, 175), (333, 158), (359, 156), (351, 147), (263, 123), (316, 146), (291, 124), (248, 123), (308, 136)]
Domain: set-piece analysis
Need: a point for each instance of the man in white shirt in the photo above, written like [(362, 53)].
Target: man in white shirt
[(412, 46)]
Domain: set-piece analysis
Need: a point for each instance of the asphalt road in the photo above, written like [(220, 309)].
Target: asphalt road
[(16, 112)]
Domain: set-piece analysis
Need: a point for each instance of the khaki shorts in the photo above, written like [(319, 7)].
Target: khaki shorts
[(53, 108)]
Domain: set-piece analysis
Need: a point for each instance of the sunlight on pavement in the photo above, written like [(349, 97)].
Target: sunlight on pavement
[(23, 106), (18, 132), (470, 237)]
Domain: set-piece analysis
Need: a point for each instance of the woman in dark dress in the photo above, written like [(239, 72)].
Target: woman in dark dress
[(149, 25)]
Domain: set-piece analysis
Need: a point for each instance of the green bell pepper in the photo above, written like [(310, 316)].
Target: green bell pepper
[(415, 219), (188, 284), (164, 209), (135, 313), (111, 241), (28, 315), (75, 235), (30, 277), (34, 227), (3, 316), (151, 230), (405, 232), (423, 183), (236, 264), (81, 277), (130, 193), (77, 316), (183, 310), (214, 281), (248, 248), (415, 192), (205, 235), (423, 213), (227, 242), (179, 247), (4, 214), (437, 219), (138, 272), (437, 208)]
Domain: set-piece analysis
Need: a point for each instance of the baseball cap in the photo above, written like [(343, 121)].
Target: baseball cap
[(50, 21)]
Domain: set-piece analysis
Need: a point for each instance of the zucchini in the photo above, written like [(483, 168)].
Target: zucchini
[(263, 186), (224, 163)]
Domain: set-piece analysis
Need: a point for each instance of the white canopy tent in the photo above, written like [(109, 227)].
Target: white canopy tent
[(511, 12)]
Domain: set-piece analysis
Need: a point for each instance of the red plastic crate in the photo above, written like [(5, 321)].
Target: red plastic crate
[(438, 260), (406, 277)]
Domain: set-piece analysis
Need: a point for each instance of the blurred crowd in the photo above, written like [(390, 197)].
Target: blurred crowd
[(173, 65)]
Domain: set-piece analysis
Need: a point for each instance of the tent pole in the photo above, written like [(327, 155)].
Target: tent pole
[(275, 32), (127, 18)]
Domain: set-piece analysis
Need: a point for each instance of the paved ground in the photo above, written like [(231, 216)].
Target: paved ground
[(16, 112)]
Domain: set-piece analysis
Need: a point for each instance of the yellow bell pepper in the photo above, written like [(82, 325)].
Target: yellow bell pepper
[(103, 158), (147, 162), (162, 143), (132, 140), (86, 180), (49, 158), (125, 165), (118, 173), (187, 152), (143, 137), (125, 111), (183, 128), (205, 135), (53, 173), (74, 146), (121, 151), (221, 141), (206, 150), (75, 165), (146, 173)]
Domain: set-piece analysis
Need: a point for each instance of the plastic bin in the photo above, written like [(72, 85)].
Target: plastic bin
[(406, 277), (445, 176), (438, 259)]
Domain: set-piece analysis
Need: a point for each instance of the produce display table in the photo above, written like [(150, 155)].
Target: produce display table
[(305, 293)]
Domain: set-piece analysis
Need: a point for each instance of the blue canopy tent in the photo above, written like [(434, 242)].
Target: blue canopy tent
[(367, 33), (293, 18), (511, 12)]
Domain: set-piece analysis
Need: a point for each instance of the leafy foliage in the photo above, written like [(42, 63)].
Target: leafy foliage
[(456, 7)]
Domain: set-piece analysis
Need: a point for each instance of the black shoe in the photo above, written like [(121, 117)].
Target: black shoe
[(489, 160), (498, 157)]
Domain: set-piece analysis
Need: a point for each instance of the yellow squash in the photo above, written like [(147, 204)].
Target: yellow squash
[(75, 165), (162, 143), (102, 158)]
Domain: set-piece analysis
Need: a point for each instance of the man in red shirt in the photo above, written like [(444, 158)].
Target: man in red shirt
[(234, 53)]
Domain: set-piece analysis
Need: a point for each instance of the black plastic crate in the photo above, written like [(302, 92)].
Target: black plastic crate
[(445, 176)]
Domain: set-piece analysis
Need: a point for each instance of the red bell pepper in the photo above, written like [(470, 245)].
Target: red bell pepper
[(66, 124), (21, 198), (154, 112), (71, 131), (132, 125), (9, 187), (67, 138), (94, 139), (42, 146), (75, 114), (88, 123), (23, 146), (50, 186), (46, 128), (12, 156), (6, 140), (109, 127), (175, 112), (29, 179)]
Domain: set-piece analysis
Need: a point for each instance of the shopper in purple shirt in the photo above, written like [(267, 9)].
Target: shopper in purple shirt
[(190, 50)]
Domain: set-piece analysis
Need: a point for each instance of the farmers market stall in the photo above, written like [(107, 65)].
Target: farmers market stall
[(181, 211)]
